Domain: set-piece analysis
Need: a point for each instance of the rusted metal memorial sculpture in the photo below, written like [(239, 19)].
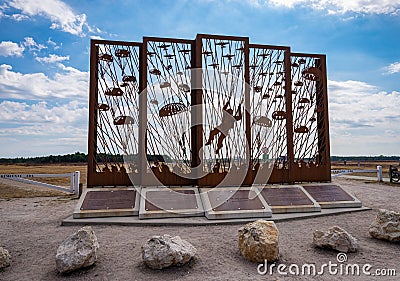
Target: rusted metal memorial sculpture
[(280, 113), (196, 115)]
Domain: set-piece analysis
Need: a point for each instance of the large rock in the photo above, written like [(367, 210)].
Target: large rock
[(5, 258), (335, 238), (386, 226), (77, 251), (163, 251), (258, 241)]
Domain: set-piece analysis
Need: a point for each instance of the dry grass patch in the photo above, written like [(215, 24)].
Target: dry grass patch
[(14, 189), (46, 169), (10, 191)]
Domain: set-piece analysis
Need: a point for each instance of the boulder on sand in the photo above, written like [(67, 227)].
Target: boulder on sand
[(386, 226), (5, 258), (258, 241), (335, 238), (163, 251), (77, 251)]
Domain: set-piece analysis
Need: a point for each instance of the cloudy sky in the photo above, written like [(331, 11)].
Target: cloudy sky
[(44, 61)]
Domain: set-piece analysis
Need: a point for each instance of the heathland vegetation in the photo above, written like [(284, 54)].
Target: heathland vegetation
[(79, 157)]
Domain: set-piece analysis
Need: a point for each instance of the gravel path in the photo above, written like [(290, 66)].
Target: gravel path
[(30, 229)]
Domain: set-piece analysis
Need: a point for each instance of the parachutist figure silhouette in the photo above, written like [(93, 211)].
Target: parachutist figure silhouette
[(228, 122)]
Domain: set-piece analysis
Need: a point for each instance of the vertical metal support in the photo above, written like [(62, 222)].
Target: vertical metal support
[(142, 143), (247, 102), (196, 100), (289, 115), (326, 142), (92, 134)]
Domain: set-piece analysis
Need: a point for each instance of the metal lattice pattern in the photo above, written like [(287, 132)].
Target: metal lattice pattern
[(194, 112), (268, 104), (308, 109), (168, 103), (117, 105), (223, 85)]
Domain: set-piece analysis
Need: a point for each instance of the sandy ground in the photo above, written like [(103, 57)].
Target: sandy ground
[(30, 229)]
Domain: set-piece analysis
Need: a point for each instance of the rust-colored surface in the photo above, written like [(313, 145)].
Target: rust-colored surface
[(170, 200), (109, 199), (327, 193), (287, 196), (130, 81), (223, 200)]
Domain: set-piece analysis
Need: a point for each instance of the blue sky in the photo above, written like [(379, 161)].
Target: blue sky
[(44, 61)]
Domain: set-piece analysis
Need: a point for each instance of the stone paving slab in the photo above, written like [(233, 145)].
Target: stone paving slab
[(108, 202), (331, 195), (289, 199), (162, 202), (234, 202)]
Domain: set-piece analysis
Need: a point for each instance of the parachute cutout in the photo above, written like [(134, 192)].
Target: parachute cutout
[(172, 108), (263, 121)]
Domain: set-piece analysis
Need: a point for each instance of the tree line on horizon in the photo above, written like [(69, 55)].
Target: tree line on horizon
[(79, 157)]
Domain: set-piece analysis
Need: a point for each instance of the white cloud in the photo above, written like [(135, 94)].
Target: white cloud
[(96, 37), (69, 83), (53, 44), (52, 58), (10, 49), (2, 8), (61, 15), (19, 17), (43, 145), (393, 68), (362, 119), (42, 129), (31, 44), (362, 104), (21, 113), (336, 6)]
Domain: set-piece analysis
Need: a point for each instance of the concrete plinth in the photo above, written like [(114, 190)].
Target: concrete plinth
[(215, 203)]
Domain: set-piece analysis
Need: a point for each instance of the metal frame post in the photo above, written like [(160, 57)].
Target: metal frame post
[(92, 139)]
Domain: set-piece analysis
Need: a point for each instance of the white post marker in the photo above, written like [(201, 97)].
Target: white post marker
[(72, 182), (77, 175), (379, 173)]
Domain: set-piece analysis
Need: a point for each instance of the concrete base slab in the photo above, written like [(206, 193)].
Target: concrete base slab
[(331, 195), (192, 221), (289, 199), (162, 202), (234, 202), (108, 202)]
